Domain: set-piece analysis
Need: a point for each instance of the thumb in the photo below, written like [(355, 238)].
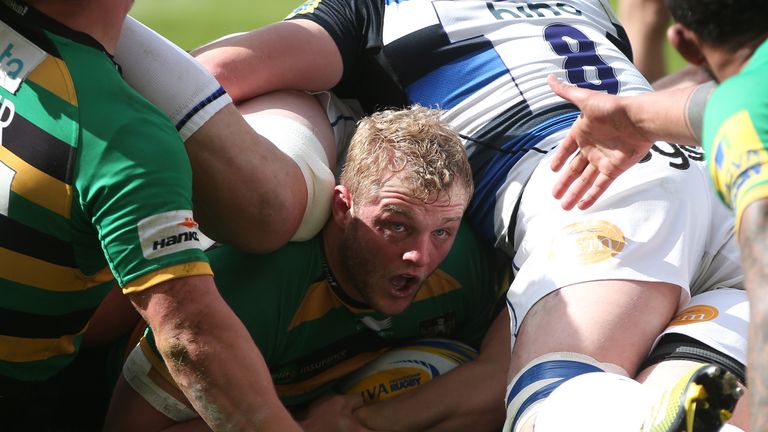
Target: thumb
[(569, 92), (354, 401)]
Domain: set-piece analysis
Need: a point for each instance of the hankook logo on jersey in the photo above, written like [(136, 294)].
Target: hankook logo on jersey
[(587, 242), (695, 314), (169, 232), (18, 57)]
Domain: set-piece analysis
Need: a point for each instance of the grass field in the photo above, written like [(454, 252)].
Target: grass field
[(191, 23)]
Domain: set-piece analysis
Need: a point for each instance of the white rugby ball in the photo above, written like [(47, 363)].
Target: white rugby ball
[(405, 367)]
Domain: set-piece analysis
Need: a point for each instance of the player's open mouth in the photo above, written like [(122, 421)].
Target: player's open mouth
[(404, 284)]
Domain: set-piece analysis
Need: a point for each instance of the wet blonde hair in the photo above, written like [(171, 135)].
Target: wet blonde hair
[(412, 142)]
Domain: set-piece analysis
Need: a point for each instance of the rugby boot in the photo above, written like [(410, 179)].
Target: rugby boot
[(701, 401)]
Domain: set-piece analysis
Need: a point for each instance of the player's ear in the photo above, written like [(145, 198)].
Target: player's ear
[(341, 203), (687, 43)]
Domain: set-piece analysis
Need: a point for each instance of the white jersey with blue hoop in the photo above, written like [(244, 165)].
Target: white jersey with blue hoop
[(486, 64)]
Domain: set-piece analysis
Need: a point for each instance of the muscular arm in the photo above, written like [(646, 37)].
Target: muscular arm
[(753, 239), (288, 55), (235, 175), (211, 356), (470, 397)]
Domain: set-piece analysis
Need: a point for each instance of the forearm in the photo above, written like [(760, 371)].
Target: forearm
[(672, 115), (212, 357), (467, 398), (753, 240), (470, 397), (288, 55)]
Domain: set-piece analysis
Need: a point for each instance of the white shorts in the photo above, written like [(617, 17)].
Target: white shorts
[(659, 222), (718, 319)]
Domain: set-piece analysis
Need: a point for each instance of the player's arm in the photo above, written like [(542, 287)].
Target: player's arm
[(615, 132), (211, 356), (469, 397), (288, 55), (248, 191), (753, 239), (114, 318)]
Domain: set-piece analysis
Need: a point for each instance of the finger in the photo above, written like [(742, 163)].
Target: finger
[(599, 186), (355, 401), (580, 187), (567, 177), (569, 92), (564, 151)]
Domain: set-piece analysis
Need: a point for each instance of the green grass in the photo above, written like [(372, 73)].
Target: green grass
[(191, 23)]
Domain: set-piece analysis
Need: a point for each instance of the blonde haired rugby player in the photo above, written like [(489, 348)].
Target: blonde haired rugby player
[(322, 308)]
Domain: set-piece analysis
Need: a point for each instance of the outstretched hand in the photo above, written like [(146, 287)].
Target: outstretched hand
[(604, 140)]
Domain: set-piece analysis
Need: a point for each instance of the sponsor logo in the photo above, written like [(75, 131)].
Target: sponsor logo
[(695, 314), (383, 390), (739, 155), (17, 7), (530, 10), (167, 233), (443, 325), (18, 57), (7, 111), (377, 325), (189, 223), (307, 7), (587, 243)]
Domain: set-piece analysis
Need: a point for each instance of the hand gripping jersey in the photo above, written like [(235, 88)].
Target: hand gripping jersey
[(311, 333), (84, 197), (486, 64), (736, 135)]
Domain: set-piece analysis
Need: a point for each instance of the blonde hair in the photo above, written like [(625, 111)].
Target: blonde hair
[(412, 142)]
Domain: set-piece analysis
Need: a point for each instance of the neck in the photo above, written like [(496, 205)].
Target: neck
[(332, 235), (101, 19), (726, 63)]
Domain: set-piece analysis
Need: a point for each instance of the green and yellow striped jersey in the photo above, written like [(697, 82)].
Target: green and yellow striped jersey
[(95, 188)]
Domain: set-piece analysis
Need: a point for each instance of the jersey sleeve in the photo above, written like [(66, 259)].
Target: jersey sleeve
[(351, 24), (736, 142), (135, 188)]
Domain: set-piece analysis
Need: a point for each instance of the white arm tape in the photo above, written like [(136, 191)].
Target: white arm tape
[(298, 142), (168, 77), (136, 372)]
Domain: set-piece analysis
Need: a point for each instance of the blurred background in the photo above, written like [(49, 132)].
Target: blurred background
[(191, 23)]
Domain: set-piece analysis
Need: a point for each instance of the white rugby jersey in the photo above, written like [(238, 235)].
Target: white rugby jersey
[(486, 64)]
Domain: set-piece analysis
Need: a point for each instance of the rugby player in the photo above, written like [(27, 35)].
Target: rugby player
[(95, 189), (728, 38), (618, 272), (322, 308)]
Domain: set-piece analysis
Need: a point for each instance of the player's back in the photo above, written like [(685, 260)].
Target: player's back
[(67, 118), (486, 64)]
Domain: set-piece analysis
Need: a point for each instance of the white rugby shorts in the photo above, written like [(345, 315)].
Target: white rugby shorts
[(718, 319), (659, 222)]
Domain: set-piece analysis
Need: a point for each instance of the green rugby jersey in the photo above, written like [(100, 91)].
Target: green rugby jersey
[(736, 135), (95, 185), (311, 333)]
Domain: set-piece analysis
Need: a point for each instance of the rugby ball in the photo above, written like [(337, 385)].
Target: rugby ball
[(404, 367)]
